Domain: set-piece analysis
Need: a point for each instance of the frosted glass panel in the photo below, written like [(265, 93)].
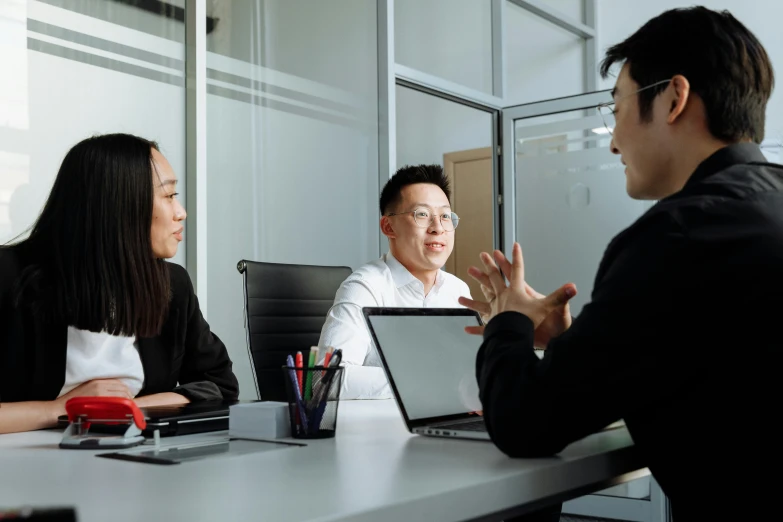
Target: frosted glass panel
[(571, 199), (75, 69), (292, 104)]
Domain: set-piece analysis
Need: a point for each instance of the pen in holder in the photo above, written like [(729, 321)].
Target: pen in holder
[(314, 418)]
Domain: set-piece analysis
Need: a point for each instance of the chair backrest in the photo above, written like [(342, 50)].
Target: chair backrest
[(285, 309)]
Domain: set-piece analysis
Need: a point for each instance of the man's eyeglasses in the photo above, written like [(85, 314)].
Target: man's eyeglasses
[(424, 217), (607, 110)]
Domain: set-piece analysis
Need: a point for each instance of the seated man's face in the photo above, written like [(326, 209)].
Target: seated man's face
[(418, 243)]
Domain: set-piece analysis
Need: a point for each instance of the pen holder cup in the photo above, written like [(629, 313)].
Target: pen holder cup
[(313, 400)]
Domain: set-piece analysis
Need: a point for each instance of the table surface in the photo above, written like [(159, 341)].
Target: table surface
[(374, 469)]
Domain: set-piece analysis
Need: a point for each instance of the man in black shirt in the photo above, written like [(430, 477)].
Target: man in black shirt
[(681, 338)]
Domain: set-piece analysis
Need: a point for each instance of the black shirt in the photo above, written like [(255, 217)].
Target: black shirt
[(681, 339)]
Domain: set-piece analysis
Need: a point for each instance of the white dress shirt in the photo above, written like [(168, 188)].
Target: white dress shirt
[(102, 356), (384, 282)]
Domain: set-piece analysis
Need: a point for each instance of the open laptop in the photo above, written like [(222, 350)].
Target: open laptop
[(184, 419), (431, 365)]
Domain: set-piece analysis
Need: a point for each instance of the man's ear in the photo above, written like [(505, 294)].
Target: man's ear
[(681, 88), (386, 228)]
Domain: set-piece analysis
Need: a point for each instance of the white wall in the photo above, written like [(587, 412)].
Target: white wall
[(292, 158), (428, 127), (543, 61), (451, 39), (618, 19), (572, 8)]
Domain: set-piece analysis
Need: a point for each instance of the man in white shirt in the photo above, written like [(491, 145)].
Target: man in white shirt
[(417, 219)]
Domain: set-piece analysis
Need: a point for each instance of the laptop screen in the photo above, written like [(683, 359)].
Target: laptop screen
[(431, 360)]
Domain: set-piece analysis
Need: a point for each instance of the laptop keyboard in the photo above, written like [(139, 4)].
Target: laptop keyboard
[(465, 426)]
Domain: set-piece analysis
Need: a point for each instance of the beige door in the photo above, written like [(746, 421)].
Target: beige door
[(473, 199)]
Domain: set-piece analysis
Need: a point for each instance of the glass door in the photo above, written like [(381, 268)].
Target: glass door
[(564, 190)]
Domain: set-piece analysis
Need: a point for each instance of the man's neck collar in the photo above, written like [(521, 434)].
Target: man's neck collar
[(725, 157), (402, 276)]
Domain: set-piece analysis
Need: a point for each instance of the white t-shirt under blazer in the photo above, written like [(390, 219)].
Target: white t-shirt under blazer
[(102, 356)]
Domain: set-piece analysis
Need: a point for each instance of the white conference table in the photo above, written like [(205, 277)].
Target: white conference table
[(374, 469)]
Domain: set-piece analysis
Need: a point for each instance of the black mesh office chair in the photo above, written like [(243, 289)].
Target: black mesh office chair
[(285, 309)]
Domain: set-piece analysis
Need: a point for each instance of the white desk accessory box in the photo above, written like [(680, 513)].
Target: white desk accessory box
[(259, 420)]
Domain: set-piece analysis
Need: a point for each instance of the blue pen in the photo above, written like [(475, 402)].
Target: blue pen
[(295, 384), (336, 359), (317, 415), (317, 411)]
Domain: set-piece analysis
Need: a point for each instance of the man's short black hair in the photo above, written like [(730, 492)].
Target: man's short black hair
[(726, 65), (410, 175)]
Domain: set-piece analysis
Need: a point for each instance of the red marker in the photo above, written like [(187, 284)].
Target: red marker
[(299, 364)]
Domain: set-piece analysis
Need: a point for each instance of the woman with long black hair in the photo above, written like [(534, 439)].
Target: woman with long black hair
[(88, 304)]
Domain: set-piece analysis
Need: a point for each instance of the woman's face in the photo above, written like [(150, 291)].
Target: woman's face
[(167, 213)]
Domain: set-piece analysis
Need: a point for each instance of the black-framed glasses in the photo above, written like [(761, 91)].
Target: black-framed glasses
[(607, 110), (424, 217)]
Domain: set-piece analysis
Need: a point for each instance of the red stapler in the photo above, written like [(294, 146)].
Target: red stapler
[(103, 423)]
